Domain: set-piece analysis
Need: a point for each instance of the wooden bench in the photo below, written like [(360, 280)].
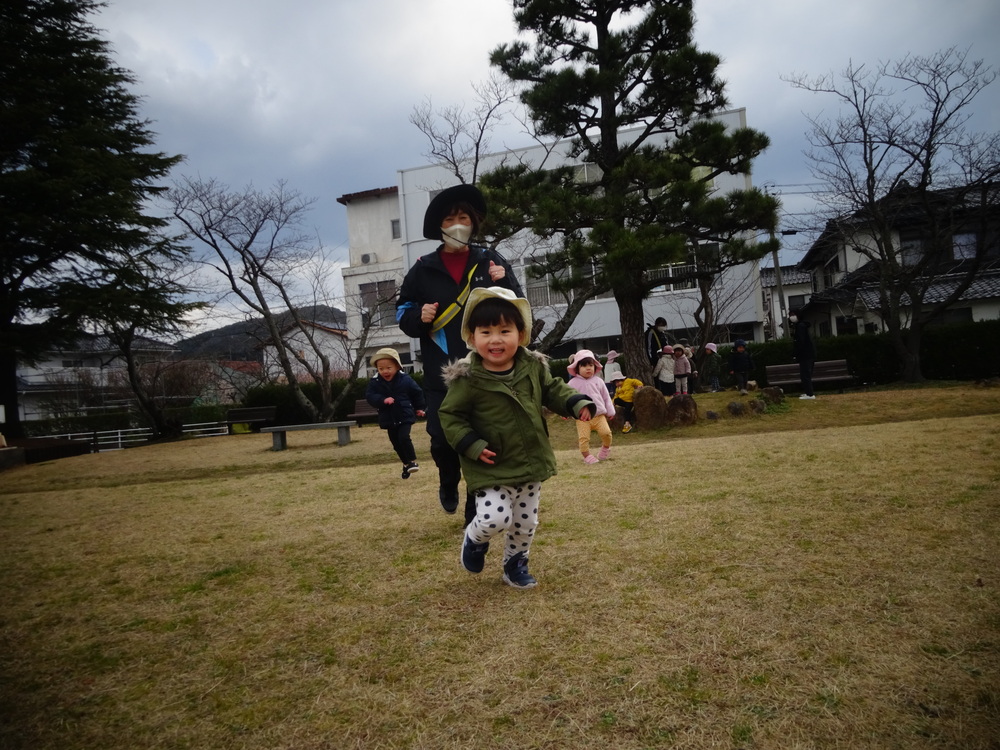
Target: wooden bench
[(363, 410), (251, 415), (828, 371), (280, 437)]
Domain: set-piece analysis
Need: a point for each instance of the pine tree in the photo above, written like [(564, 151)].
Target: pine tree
[(592, 69), (76, 170)]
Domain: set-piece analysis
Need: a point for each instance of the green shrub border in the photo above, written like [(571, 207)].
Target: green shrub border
[(961, 351)]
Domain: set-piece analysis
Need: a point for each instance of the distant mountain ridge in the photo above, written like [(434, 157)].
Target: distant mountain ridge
[(242, 340)]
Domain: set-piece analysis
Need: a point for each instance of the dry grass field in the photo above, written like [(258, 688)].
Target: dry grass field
[(826, 575)]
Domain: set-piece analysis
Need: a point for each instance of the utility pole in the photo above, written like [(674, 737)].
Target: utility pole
[(779, 288), (785, 333)]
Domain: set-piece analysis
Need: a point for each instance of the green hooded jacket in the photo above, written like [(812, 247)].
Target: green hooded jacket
[(504, 413)]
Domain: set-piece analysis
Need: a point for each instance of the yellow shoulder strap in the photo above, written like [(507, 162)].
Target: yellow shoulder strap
[(455, 307)]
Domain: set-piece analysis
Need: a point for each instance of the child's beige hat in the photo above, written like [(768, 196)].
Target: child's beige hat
[(386, 353), (483, 293)]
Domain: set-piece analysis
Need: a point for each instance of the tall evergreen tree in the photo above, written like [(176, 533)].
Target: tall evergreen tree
[(592, 69), (76, 171)]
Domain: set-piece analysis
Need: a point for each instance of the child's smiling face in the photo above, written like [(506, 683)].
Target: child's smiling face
[(387, 368), (497, 345)]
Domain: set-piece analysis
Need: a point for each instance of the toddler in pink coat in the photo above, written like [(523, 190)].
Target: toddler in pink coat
[(583, 367)]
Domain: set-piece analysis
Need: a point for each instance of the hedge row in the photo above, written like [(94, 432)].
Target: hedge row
[(964, 351)]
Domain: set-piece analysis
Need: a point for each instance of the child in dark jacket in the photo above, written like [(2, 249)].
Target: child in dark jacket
[(741, 365), (712, 367), (399, 401)]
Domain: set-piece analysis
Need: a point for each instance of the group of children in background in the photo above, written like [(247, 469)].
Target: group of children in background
[(399, 400)]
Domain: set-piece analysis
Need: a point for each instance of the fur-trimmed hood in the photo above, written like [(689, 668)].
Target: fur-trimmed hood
[(462, 368)]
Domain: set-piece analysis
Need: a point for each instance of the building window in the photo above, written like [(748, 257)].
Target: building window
[(378, 303), (911, 249), (831, 272), (963, 246), (396, 233), (540, 291), (796, 301), (847, 326), (675, 277)]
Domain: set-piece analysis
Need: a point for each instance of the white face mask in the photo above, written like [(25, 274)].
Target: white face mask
[(456, 236)]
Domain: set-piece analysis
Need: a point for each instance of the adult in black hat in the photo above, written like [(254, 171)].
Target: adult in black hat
[(430, 306)]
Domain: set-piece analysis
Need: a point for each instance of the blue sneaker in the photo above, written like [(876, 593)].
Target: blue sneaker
[(515, 572), (473, 554)]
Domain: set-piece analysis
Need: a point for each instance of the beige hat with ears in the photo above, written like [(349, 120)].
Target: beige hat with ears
[(479, 294), (386, 353)]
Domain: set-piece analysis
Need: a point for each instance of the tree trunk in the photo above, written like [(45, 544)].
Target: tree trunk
[(12, 428), (631, 319), (908, 349), (704, 316)]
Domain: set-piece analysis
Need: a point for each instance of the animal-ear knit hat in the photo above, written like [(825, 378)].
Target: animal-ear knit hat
[(580, 356), (479, 294), (442, 203)]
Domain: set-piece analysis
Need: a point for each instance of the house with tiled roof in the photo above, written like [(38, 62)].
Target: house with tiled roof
[(796, 288), (944, 247)]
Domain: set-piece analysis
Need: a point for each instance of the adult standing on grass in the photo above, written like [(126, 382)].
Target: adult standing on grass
[(656, 339), (431, 300), (493, 416), (804, 352)]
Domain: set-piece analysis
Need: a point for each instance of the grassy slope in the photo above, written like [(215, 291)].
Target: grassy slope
[(823, 576)]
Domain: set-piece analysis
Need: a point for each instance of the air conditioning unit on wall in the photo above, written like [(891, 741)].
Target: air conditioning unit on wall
[(367, 258)]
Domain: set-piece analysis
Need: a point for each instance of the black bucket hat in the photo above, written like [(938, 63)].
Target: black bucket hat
[(442, 203)]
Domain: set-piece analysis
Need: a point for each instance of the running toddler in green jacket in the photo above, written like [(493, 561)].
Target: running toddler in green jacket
[(492, 416)]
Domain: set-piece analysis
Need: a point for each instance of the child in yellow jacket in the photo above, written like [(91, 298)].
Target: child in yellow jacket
[(625, 389)]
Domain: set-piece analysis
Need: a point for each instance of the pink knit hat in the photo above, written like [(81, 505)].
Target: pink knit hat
[(580, 355)]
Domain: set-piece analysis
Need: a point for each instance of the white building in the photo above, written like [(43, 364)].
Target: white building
[(376, 269), (372, 232)]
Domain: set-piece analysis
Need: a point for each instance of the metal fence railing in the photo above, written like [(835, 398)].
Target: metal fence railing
[(114, 440)]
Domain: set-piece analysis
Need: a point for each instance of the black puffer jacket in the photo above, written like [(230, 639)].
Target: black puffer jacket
[(428, 281), (803, 348), (407, 399)]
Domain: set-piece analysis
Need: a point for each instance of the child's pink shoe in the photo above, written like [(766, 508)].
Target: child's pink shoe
[(604, 453), (590, 458)]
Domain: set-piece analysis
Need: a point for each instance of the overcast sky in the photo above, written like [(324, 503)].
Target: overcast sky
[(319, 92)]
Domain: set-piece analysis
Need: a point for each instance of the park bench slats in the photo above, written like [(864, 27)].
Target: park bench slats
[(280, 434), (827, 371)]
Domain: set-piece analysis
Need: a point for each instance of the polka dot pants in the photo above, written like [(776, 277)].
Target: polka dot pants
[(507, 509)]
